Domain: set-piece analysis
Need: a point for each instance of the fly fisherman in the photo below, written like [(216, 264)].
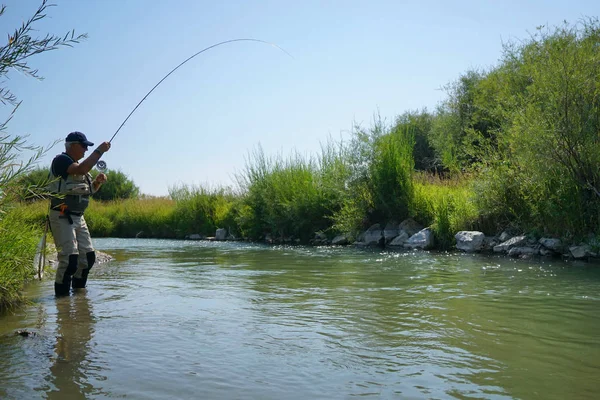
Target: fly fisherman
[(71, 189)]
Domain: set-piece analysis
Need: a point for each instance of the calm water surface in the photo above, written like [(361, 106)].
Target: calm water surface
[(203, 320)]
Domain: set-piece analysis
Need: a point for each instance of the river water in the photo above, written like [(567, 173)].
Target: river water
[(206, 320)]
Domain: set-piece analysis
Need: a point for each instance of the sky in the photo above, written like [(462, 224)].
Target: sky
[(350, 61)]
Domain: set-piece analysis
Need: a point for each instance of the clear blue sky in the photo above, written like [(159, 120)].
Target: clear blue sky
[(351, 59)]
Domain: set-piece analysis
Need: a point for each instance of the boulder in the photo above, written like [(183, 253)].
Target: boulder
[(489, 242), (420, 240), (582, 251), (510, 243), (469, 241), (194, 236), (399, 240), (522, 251), (221, 234), (372, 236), (319, 239), (390, 231), (551, 244), (340, 240), (504, 236), (410, 226)]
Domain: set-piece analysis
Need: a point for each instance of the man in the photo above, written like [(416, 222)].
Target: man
[(71, 189)]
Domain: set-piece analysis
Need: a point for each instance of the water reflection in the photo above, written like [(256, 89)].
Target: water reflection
[(75, 328)]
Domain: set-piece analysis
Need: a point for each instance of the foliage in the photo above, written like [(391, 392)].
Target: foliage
[(542, 173), (17, 250), (419, 124), (118, 186), (31, 186), (447, 205), (202, 210), (289, 198), (144, 217), (18, 247), (391, 175)]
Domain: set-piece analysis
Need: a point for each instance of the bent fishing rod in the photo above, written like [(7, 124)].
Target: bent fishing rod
[(185, 61), (101, 165)]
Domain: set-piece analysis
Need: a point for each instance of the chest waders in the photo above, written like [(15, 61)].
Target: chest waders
[(76, 255)]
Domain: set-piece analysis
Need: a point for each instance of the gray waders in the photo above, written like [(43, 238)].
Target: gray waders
[(76, 255)]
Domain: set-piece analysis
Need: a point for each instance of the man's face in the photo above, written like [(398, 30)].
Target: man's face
[(78, 150)]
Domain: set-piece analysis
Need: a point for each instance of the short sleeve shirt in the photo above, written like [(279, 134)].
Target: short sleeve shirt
[(60, 164)]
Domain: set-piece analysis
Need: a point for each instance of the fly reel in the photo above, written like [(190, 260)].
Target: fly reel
[(101, 166)]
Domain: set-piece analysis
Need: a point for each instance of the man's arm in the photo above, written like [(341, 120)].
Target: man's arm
[(86, 165)]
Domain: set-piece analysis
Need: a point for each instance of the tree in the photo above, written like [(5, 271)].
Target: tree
[(117, 186)]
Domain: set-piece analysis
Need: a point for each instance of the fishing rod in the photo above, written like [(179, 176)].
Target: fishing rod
[(185, 61)]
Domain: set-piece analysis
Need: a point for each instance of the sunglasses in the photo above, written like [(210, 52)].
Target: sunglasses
[(83, 145)]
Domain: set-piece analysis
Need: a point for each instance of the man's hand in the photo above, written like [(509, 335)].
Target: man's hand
[(103, 147), (100, 179)]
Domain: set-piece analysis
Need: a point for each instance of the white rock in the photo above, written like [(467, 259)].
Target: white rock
[(510, 243), (399, 240), (221, 234), (469, 241), (420, 240)]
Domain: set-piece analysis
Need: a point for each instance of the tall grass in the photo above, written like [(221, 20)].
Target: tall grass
[(290, 198), (17, 250), (447, 205), (147, 217), (203, 210)]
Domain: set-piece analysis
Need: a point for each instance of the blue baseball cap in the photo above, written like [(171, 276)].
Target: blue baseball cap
[(78, 137)]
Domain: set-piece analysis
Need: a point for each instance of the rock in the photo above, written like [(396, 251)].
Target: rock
[(372, 236), (469, 241), (25, 333), (547, 252), (102, 257), (410, 226), (320, 239), (399, 240), (195, 236), (522, 251), (510, 243), (340, 240), (581, 251), (390, 231), (489, 242), (420, 240), (551, 244), (504, 236), (221, 234)]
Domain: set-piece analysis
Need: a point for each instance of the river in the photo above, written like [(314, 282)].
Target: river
[(207, 320)]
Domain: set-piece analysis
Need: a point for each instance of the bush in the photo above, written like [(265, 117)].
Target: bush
[(118, 186)]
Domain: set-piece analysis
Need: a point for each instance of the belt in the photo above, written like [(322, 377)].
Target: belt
[(67, 214)]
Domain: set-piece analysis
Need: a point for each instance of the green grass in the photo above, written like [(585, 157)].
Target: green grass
[(17, 247), (447, 206), (149, 217)]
